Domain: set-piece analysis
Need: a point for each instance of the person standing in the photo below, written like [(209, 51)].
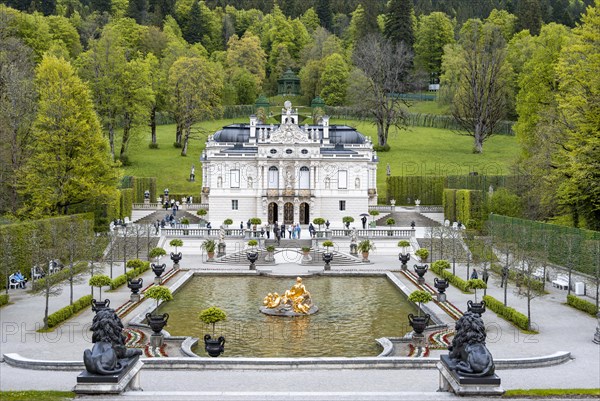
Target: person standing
[(298, 230), (474, 275), (364, 222), (208, 226), (242, 225), (311, 230), (283, 230), (268, 230), (290, 228), (276, 232)]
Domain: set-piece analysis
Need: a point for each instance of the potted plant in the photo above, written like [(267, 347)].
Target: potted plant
[(319, 221), (374, 213), (423, 254), (270, 252), (404, 255), (390, 222), (419, 323), (252, 253), (213, 315), (227, 222), (255, 221), (156, 253), (209, 246), (347, 220), (176, 257), (476, 307), (365, 246), (305, 250), (202, 213), (185, 223), (99, 280), (327, 255), (155, 321)]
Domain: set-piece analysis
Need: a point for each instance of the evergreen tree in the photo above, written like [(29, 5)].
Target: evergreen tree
[(399, 22), (138, 10), (101, 5), (323, 9), (70, 162), (529, 13), (193, 29)]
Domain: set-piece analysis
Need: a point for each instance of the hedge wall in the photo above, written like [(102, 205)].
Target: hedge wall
[(3, 299), (582, 305), (140, 185), (405, 189), (63, 314), (18, 255), (464, 205), (449, 203), (508, 313), (59, 276), (126, 203), (452, 279)]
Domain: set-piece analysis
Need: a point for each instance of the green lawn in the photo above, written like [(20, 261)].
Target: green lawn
[(416, 151), (36, 395), (429, 107)]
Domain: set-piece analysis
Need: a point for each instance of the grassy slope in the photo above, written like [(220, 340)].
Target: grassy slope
[(416, 151)]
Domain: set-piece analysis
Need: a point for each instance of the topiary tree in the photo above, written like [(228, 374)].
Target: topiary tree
[(202, 212), (327, 244), (319, 221), (252, 243), (420, 297), (476, 284), (212, 315), (135, 264), (256, 221), (227, 222), (347, 220), (422, 253), (99, 281), (159, 293), (390, 222), (176, 242), (156, 253)]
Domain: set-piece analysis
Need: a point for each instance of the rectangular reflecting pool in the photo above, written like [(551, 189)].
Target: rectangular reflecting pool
[(353, 312)]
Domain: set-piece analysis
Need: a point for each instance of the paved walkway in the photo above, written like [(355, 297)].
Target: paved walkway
[(560, 329)]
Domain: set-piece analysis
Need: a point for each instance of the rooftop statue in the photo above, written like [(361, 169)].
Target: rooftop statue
[(295, 301)]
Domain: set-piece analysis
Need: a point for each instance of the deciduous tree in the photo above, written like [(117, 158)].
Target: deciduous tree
[(334, 80)]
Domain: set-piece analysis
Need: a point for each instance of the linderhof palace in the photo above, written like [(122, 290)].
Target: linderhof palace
[(287, 173)]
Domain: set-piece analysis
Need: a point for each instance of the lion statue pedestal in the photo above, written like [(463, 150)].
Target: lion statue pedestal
[(111, 368), (469, 367)]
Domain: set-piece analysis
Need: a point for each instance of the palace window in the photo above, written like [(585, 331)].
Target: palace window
[(234, 204), (273, 177), (343, 205), (342, 179), (304, 177), (234, 176)]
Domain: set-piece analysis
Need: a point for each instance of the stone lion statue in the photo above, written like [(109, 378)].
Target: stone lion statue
[(468, 354), (109, 355)]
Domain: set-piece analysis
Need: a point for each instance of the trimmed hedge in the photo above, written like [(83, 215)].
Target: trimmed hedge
[(64, 313), (140, 185), (122, 279), (508, 313), (452, 279), (4, 299), (126, 202), (449, 203), (405, 189), (582, 305)]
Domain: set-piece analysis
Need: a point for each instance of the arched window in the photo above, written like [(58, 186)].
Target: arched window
[(304, 177), (273, 177)]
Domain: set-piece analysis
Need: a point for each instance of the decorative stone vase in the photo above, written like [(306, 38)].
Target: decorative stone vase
[(252, 257), (421, 270), (157, 322), (135, 285), (221, 250), (158, 271), (97, 305), (418, 323), (327, 258), (476, 307), (365, 256), (270, 257), (176, 258), (404, 259), (440, 285), (214, 347)]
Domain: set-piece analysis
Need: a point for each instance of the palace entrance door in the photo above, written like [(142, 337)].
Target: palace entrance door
[(288, 213), (304, 213), (273, 212)]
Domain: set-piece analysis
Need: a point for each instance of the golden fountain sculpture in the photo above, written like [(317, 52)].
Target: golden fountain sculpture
[(294, 302)]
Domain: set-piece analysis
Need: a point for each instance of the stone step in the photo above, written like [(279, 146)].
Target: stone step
[(339, 258), (403, 219), (160, 214)]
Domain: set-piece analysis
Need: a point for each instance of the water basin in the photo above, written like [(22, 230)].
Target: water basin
[(353, 312)]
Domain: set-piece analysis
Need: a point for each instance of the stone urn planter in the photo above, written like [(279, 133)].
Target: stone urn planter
[(176, 258), (214, 347), (252, 257), (421, 270), (157, 323), (327, 258), (158, 271), (135, 285), (418, 323), (476, 307), (440, 285), (97, 305), (404, 259)]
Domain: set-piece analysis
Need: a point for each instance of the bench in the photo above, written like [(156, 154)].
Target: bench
[(538, 274), (562, 281), (37, 273), (15, 281)]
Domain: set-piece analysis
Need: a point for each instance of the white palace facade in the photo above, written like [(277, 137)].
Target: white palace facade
[(288, 173)]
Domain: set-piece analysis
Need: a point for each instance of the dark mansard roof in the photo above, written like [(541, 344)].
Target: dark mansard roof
[(337, 133)]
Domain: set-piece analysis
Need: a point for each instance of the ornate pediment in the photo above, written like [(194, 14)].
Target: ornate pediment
[(289, 133)]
